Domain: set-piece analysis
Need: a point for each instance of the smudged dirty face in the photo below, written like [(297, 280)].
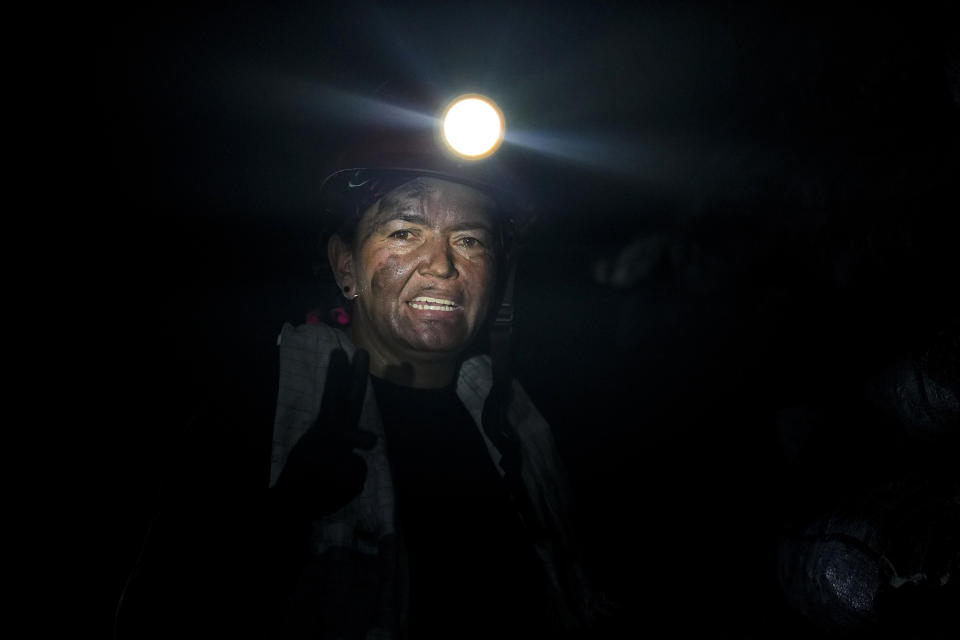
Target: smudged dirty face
[(424, 266)]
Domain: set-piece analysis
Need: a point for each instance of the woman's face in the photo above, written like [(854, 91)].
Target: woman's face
[(423, 264)]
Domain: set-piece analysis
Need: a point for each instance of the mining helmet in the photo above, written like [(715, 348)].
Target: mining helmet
[(424, 132)]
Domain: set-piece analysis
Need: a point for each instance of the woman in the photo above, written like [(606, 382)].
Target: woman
[(425, 523)]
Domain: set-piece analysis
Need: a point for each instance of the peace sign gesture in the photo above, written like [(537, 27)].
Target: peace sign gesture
[(323, 472)]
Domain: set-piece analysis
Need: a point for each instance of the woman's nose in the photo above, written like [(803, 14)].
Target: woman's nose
[(437, 260)]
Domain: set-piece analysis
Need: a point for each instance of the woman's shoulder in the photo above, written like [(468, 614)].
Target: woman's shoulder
[(312, 336)]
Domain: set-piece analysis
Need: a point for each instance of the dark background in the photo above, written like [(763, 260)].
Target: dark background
[(783, 175)]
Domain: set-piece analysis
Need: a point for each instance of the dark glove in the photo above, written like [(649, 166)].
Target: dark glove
[(323, 472)]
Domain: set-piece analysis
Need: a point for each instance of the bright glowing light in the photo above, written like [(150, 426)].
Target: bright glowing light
[(473, 126)]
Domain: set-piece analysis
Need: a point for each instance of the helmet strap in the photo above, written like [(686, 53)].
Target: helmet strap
[(495, 422)]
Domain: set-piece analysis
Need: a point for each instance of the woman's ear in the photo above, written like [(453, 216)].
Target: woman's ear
[(341, 262)]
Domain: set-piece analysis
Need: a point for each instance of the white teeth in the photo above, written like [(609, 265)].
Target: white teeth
[(429, 300), (431, 307), (433, 304)]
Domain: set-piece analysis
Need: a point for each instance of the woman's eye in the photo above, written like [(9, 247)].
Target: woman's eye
[(401, 234), (470, 242)]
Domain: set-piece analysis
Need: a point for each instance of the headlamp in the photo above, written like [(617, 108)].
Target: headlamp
[(457, 143), (472, 126)]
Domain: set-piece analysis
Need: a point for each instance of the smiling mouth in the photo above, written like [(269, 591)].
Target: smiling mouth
[(426, 303)]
